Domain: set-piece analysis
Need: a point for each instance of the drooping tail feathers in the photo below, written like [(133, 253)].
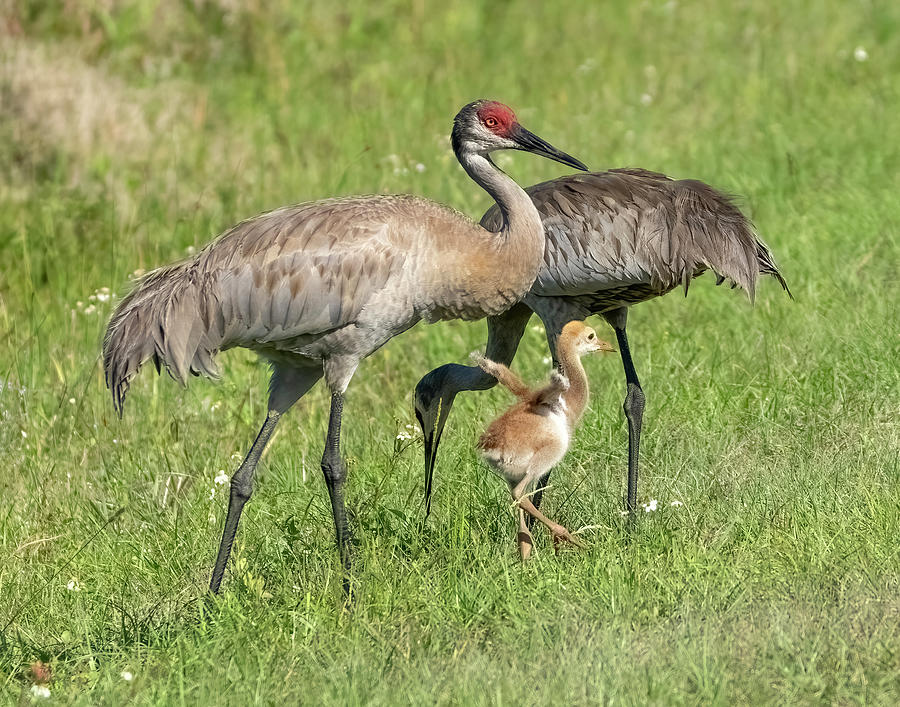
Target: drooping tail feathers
[(767, 266), (171, 317), (711, 230)]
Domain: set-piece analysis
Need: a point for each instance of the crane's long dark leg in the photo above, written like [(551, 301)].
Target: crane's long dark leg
[(537, 497), (335, 474), (241, 490), (633, 406)]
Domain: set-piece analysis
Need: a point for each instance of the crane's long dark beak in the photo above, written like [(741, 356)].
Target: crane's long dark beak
[(431, 435), (529, 142), (431, 445)]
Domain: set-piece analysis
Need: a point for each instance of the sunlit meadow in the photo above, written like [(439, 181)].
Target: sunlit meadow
[(764, 565)]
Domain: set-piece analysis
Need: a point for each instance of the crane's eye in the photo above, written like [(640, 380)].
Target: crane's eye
[(490, 122)]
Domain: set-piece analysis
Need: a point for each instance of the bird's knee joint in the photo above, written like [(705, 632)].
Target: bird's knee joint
[(334, 469), (634, 402), (241, 488)]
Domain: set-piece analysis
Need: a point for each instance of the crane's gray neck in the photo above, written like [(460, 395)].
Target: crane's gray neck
[(458, 378), (520, 217)]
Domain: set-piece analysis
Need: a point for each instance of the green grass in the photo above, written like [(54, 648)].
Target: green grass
[(132, 131)]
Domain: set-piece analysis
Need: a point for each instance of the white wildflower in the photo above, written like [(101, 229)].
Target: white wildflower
[(675, 504), (127, 676), (646, 99), (90, 309), (420, 167), (408, 432), (623, 513), (40, 691), (651, 506), (190, 250), (73, 585), (115, 441), (24, 434), (103, 297), (220, 480), (71, 401), (860, 54), (546, 360)]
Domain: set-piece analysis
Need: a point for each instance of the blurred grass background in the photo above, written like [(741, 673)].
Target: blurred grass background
[(134, 131)]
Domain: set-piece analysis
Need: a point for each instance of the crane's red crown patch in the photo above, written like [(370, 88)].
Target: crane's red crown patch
[(496, 117)]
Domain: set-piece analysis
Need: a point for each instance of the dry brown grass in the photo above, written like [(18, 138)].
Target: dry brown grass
[(56, 99), (59, 106)]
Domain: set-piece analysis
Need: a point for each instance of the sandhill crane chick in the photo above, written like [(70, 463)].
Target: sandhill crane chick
[(532, 436)]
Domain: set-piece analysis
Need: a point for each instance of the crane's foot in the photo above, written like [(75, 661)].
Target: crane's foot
[(561, 535)]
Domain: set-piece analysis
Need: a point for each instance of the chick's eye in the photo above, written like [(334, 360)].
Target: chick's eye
[(590, 336)]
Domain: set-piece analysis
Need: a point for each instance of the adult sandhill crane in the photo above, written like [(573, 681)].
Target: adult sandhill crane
[(614, 239), (317, 287), (533, 435)]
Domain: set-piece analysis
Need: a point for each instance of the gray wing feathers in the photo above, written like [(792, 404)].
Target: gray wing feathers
[(631, 226), (171, 318), (291, 273)]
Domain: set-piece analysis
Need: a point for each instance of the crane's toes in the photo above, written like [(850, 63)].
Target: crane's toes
[(561, 535)]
